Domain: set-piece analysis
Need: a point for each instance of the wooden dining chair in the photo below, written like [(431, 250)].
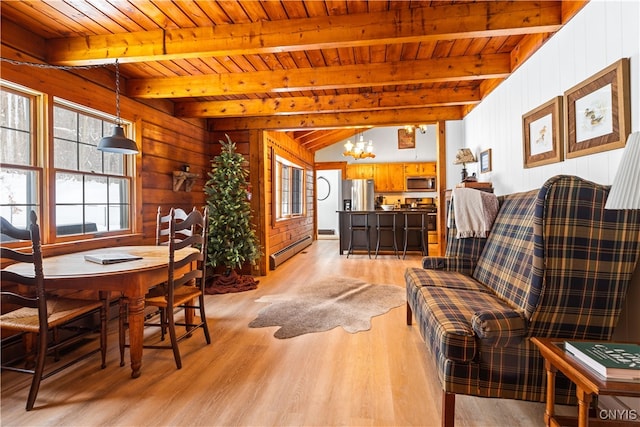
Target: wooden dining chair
[(184, 288), (29, 310)]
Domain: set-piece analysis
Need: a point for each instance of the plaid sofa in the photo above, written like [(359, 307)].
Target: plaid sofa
[(556, 264)]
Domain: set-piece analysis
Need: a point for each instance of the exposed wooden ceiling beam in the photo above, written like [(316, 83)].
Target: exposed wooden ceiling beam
[(329, 103), (327, 138), (432, 23), (397, 117), (347, 76)]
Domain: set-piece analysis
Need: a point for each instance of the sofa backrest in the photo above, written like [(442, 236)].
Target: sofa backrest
[(562, 259), (587, 255), (506, 261), (467, 248)]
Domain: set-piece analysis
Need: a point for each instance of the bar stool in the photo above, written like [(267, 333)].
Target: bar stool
[(383, 224), (410, 225), (359, 222)]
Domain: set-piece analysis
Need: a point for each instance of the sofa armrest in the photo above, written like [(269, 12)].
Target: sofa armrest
[(499, 328), (461, 265)]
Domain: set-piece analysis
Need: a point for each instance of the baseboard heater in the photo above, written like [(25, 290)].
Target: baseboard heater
[(282, 255)]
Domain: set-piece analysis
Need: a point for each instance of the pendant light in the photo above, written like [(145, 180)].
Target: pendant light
[(118, 142), (361, 149)]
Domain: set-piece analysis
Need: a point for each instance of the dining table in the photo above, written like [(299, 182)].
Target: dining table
[(132, 279)]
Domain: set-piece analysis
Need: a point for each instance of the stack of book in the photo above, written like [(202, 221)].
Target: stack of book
[(613, 361)]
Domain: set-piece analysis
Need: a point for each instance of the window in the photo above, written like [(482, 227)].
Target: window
[(19, 175), (87, 191), (289, 189), (91, 190)]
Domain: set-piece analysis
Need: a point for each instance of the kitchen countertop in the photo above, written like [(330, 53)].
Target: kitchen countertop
[(428, 211)]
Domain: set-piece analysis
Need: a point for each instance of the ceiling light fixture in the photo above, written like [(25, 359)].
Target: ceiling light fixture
[(361, 149), (118, 142), (410, 128)]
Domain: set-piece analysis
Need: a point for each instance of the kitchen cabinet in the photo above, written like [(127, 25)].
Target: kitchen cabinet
[(388, 177), (360, 171), (420, 169)]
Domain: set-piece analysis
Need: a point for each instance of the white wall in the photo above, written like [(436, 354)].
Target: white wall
[(385, 143), (600, 34)]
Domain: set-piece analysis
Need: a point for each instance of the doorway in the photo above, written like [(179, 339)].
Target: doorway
[(328, 203)]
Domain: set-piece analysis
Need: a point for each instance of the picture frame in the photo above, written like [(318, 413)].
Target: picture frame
[(598, 111), (542, 131), (406, 139), (485, 161)]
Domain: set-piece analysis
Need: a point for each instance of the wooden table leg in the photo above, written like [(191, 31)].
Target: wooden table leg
[(551, 392), (584, 401), (136, 332)]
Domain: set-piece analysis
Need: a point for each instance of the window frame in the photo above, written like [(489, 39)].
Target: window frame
[(128, 174), (279, 164), (42, 162)]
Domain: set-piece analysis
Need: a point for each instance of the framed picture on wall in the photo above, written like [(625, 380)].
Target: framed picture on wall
[(485, 161), (598, 111), (542, 134), (406, 139)]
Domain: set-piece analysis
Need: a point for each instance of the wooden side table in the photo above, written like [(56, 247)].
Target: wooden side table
[(587, 381), (482, 186)]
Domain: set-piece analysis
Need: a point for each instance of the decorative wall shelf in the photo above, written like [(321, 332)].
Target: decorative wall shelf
[(186, 178)]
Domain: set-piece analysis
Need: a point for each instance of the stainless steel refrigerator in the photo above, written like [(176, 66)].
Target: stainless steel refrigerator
[(358, 195)]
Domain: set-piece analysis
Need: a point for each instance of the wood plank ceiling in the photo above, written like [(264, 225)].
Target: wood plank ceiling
[(317, 69)]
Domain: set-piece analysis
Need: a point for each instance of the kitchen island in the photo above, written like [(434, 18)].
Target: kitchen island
[(365, 231)]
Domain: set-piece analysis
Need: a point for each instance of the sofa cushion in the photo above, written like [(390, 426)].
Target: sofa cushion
[(505, 265), (445, 317), (419, 277)]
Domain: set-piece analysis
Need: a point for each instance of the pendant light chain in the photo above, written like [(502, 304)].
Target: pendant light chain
[(118, 142), (51, 67), (118, 120)]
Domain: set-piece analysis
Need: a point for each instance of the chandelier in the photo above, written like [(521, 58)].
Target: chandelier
[(361, 149), (409, 128)]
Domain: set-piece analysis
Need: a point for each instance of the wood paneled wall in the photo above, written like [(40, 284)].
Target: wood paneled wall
[(283, 233), (166, 142), (168, 145)]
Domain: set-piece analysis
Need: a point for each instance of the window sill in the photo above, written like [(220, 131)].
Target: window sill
[(91, 242)]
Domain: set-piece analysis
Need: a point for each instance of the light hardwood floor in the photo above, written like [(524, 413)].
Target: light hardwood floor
[(246, 377)]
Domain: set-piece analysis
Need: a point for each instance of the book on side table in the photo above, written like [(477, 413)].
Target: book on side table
[(613, 361)]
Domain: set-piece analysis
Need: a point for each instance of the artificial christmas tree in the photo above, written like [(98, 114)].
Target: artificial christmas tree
[(232, 239)]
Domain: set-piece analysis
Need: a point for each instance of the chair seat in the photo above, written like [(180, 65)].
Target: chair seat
[(181, 295), (60, 311)]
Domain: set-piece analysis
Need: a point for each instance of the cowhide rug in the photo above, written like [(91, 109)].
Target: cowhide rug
[(326, 304)]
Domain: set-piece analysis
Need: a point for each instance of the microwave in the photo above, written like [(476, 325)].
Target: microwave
[(420, 183)]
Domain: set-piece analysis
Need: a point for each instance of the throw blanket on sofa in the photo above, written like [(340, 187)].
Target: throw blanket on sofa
[(474, 212)]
